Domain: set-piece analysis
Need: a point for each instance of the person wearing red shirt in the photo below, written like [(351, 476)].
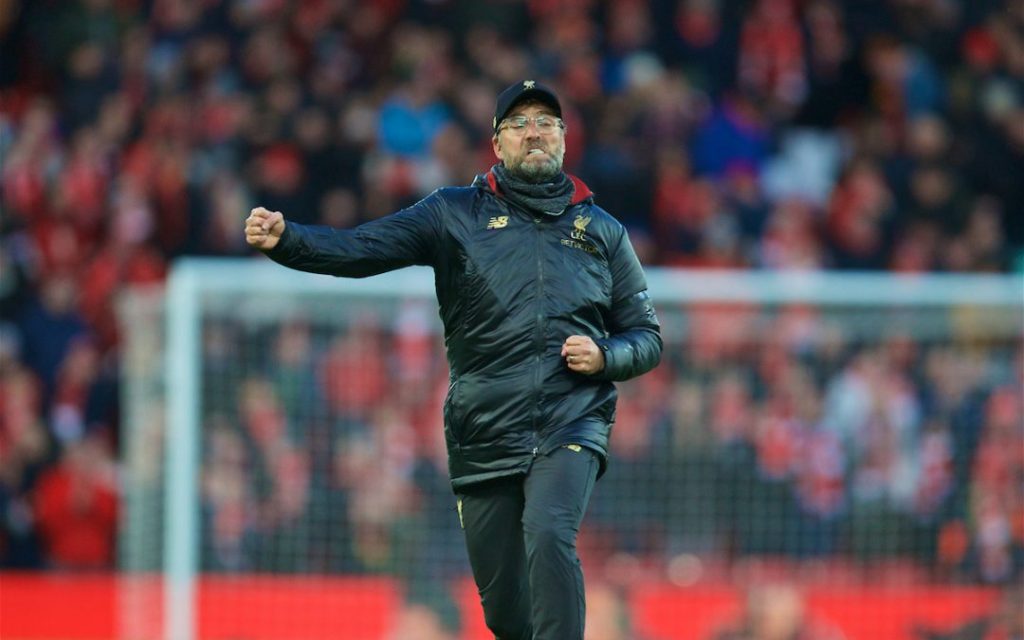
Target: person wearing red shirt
[(76, 507)]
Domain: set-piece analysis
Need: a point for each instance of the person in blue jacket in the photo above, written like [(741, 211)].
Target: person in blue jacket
[(544, 305)]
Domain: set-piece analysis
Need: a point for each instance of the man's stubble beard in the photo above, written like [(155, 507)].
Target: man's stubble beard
[(539, 172)]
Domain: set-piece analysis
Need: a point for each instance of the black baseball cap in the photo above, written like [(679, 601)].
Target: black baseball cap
[(525, 90)]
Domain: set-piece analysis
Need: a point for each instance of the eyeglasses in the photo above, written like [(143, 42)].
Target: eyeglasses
[(545, 124)]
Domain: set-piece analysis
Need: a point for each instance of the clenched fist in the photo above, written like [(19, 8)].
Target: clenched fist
[(263, 228), (582, 355)]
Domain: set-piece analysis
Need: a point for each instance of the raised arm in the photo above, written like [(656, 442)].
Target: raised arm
[(409, 237)]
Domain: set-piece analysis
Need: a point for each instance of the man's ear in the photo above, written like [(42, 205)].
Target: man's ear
[(496, 145)]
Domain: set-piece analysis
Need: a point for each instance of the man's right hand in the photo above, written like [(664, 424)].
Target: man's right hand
[(263, 228)]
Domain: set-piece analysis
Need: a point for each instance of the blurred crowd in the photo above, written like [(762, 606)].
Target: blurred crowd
[(766, 134)]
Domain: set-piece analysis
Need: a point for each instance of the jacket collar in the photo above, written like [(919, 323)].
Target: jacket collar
[(581, 191)]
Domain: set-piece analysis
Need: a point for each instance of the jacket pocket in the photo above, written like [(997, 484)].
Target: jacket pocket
[(606, 411), (454, 413)]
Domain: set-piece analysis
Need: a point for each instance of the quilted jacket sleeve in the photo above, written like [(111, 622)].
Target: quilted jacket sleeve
[(408, 237), (633, 345)]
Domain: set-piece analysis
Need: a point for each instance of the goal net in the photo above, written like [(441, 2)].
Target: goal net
[(845, 444)]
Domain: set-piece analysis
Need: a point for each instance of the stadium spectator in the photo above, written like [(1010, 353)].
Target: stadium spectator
[(776, 612), (608, 615), (424, 621), (76, 506), (25, 450)]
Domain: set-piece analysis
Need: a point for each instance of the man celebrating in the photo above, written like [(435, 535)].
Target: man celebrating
[(544, 304)]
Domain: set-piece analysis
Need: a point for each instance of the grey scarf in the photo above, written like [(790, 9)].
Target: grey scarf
[(550, 198)]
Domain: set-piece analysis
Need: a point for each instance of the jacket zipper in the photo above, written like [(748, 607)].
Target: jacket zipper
[(538, 332)]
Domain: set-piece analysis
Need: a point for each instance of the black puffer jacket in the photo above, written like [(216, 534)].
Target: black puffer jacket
[(512, 286)]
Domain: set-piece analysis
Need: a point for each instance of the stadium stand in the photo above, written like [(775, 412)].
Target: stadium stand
[(878, 135)]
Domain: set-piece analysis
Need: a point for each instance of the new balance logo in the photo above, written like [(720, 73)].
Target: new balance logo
[(498, 222)]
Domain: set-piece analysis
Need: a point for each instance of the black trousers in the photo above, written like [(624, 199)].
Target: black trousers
[(521, 538)]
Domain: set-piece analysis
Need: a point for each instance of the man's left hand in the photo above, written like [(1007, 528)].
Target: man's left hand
[(582, 355)]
